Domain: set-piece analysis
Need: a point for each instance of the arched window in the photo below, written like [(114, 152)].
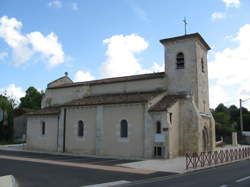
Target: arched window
[(43, 127), (180, 61), (80, 128), (124, 129), (202, 66), (158, 127)]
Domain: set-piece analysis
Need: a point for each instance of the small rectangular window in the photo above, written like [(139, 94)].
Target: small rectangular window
[(170, 117), (158, 127), (43, 128), (202, 66), (123, 129), (80, 128)]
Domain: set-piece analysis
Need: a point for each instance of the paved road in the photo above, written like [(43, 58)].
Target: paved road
[(30, 174), (68, 158), (236, 174)]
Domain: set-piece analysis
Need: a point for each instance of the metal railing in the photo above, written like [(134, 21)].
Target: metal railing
[(195, 160)]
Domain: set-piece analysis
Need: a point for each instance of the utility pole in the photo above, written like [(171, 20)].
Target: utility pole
[(241, 119), (241, 116)]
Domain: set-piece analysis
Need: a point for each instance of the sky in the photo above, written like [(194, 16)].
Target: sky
[(94, 39)]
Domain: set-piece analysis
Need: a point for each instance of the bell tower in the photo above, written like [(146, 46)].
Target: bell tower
[(186, 67)]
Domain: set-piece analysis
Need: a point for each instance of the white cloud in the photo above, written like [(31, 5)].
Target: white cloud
[(232, 3), (158, 68), (83, 76), (13, 91), (10, 31), (218, 15), (55, 4), (48, 46), (230, 67), (3, 55), (25, 46), (121, 56), (74, 6), (218, 95)]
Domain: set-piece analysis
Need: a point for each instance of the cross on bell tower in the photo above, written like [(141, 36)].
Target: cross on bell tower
[(185, 25)]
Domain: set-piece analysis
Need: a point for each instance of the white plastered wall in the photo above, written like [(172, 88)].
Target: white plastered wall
[(161, 117), (113, 144), (35, 139), (180, 80), (174, 139), (74, 143), (59, 96), (190, 128)]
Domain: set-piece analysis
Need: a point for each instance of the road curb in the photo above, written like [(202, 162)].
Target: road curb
[(190, 173), (8, 181)]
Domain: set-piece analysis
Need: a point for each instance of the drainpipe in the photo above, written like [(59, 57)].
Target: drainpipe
[(64, 128), (57, 133)]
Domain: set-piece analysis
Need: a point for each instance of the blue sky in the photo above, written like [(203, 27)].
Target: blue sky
[(40, 40)]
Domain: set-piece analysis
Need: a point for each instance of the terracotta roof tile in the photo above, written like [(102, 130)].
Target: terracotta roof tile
[(193, 35), (20, 111), (46, 111), (122, 98), (166, 102), (113, 80)]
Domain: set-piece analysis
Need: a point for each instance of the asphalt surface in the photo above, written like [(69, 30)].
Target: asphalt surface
[(67, 158), (235, 174), (30, 174)]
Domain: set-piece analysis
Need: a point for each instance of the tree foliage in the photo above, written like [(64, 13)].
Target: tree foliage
[(32, 99), (228, 119), (6, 130)]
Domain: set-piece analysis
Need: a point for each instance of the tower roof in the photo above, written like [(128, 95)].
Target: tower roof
[(193, 35)]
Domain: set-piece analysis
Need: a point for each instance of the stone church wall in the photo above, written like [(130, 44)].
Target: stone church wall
[(60, 96), (190, 130), (151, 135), (202, 80), (74, 143), (35, 139), (113, 144), (180, 80), (130, 86), (173, 139)]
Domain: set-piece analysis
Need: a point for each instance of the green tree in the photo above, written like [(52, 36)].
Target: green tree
[(228, 119), (32, 99), (221, 108), (223, 126), (246, 122), (6, 130), (222, 117)]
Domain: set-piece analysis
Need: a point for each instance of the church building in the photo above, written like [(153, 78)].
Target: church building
[(156, 115)]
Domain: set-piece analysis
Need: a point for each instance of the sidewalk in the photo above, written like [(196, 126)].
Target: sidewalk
[(176, 165)]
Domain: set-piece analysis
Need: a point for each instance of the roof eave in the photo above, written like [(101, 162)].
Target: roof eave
[(193, 35)]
